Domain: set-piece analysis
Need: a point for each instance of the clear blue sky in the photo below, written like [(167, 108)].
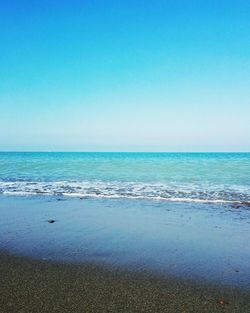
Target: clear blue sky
[(125, 75)]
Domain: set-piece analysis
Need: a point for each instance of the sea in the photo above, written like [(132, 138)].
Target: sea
[(189, 177), (184, 215)]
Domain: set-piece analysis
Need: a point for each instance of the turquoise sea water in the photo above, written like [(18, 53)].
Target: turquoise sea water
[(183, 214), (204, 177)]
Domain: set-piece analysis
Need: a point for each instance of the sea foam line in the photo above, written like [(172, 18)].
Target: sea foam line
[(158, 198), (132, 190)]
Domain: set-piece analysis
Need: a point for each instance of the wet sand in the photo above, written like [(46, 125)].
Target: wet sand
[(40, 286), (199, 242), (122, 256)]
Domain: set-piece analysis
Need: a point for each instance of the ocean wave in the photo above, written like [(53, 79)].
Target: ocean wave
[(132, 190)]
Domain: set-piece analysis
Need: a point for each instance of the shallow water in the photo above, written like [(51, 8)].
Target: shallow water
[(194, 240)]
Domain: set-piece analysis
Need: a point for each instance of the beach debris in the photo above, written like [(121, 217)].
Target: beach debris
[(246, 203), (51, 221), (242, 204), (223, 302)]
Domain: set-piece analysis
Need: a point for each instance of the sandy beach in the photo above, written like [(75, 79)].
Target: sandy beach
[(40, 286), (121, 256)]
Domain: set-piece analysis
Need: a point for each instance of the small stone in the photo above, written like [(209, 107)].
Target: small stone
[(51, 221), (223, 302)]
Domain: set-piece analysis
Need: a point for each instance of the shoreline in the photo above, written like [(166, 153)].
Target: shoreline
[(30, 285), (196, 242), (122, 256)]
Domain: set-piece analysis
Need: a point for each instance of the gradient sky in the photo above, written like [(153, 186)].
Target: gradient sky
[(125, 75)]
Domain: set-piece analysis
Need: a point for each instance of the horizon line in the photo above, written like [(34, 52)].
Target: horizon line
[(61, 151)]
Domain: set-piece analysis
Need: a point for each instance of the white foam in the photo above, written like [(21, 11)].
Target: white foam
[(203, 193)]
